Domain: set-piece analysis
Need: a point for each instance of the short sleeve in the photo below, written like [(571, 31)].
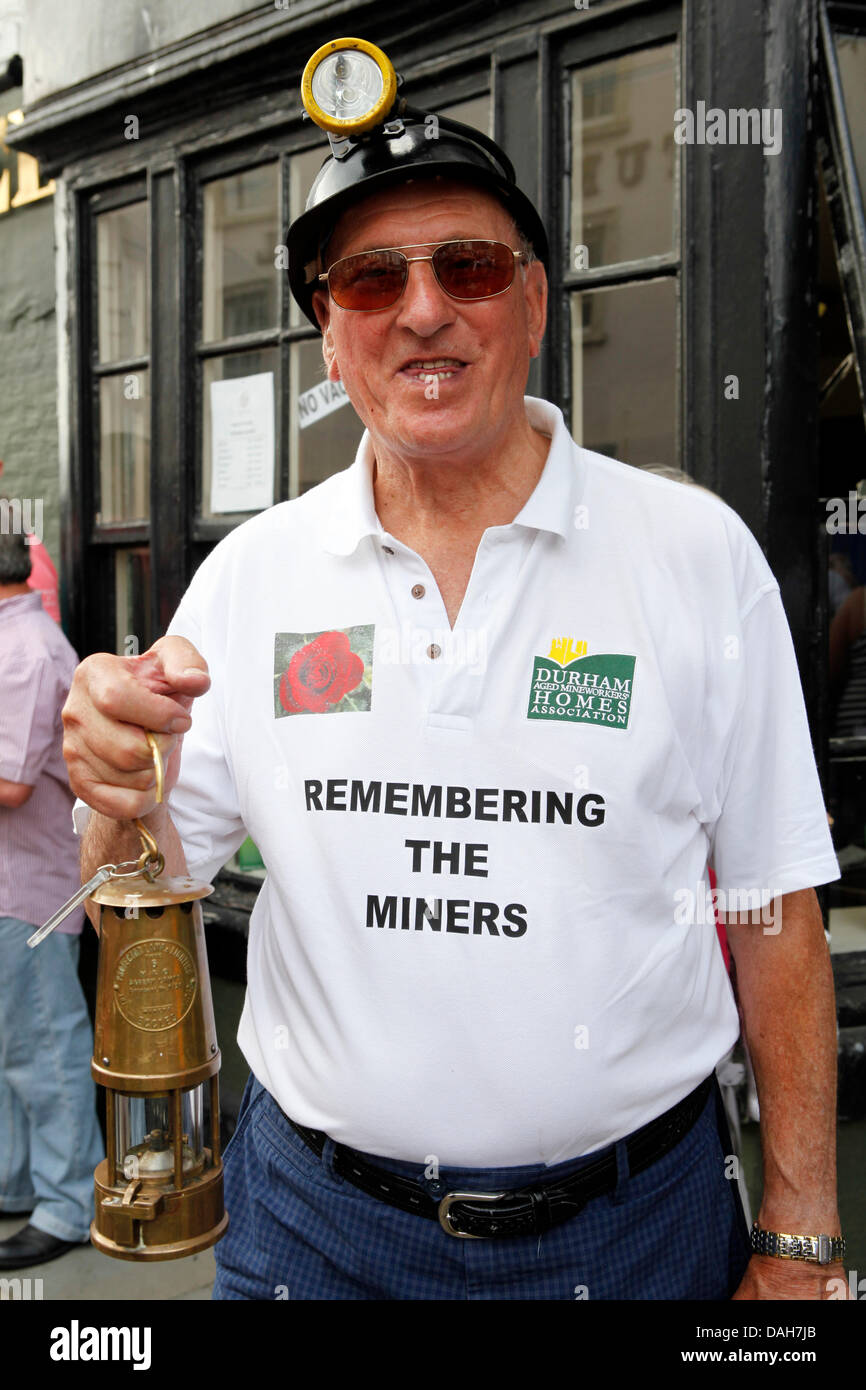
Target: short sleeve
[(204, 802), (772, 834), (28, 718)]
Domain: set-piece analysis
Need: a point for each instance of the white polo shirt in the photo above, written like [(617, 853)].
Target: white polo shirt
[(484, 933)]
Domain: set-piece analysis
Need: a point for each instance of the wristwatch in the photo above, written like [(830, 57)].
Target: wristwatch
[(821, 1250)]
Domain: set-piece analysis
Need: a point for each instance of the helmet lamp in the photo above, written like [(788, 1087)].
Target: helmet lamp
[(348, 86)]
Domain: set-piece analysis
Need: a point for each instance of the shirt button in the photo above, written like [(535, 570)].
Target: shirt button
[(433, 651), (387, 549), (418, 591)]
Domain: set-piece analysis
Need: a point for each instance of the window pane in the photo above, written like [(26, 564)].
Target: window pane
[(474, 112), (303, 168), (241, 230), (622, 178), (846, 779), (132, 600), (624, 372), (324, 435), (240, 364), (851, 53), (847, 596), (124, 447), (121, 283)]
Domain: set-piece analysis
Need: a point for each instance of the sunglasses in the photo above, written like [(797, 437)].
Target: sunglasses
[(464, 269)]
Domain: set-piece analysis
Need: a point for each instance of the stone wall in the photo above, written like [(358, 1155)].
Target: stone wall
[(28, 357)]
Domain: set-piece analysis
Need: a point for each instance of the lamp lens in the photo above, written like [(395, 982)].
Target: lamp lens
[(347, 84), (145, 1134)]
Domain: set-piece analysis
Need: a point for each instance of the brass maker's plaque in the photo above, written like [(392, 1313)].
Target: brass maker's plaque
[(155, 984)]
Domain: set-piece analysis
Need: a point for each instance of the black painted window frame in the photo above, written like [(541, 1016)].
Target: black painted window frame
[(102, 539)]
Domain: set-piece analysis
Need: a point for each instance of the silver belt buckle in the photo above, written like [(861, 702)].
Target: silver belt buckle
[(451, 1197)]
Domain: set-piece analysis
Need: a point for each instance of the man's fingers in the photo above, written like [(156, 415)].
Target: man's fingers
[(119, 803), (103, 751), (130, 762), (110, 686)]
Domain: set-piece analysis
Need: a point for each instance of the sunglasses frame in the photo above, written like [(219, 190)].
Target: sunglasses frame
[(437, 246)]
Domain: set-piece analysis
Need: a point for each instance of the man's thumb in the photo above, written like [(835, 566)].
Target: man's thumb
[(182, 666)]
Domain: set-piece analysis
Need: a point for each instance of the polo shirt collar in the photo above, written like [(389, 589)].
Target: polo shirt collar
[(351, 515), (20, 603)]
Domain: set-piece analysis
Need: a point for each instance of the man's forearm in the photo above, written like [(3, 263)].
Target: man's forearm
[(785, 984), (108, 841)]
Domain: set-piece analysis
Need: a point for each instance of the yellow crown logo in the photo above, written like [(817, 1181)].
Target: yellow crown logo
[(565, 649)]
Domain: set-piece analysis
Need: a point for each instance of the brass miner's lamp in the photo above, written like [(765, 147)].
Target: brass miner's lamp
[(159, 1191)]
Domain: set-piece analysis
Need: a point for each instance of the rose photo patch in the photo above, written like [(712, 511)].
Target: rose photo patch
[(571, 687), (327, 672)]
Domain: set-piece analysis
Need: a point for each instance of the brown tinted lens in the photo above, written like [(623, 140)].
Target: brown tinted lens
[(474, 269), (370, 280)]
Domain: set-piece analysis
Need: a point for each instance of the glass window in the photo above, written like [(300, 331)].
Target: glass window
[(842, 453), (622, 187), (122, 345), (851, 56), (624, 371), (623, 210), (474, 112), (132, 609), (241, 288), (121, 283), (242, 364), (124, 447), (325, 431), (303, 169), (241, 231)]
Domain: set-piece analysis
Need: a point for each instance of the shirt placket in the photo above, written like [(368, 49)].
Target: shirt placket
[(441, 658)]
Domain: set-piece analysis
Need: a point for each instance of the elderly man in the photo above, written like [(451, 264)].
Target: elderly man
[(487, 702)]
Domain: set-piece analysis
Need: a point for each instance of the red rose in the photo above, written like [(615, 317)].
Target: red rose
[(320, 674)]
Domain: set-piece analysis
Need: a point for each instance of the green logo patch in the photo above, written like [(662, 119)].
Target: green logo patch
[(588, 690)]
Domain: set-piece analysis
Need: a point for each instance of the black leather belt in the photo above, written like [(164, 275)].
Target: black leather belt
[(525, 1210)]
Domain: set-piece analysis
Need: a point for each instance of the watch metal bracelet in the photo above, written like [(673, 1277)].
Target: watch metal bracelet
[(822, 1249)]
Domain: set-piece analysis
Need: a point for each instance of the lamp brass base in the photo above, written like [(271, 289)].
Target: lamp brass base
[(158, 1223)]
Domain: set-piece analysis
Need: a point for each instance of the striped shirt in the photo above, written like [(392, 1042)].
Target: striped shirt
[(39, 866)]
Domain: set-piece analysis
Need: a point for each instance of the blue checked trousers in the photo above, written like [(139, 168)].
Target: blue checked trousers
[(298, 1231)]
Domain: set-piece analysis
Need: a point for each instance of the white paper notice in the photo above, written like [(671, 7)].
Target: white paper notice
[(242, 448)]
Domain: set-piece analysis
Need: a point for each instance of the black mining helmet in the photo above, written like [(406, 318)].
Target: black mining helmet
[(349, 88)]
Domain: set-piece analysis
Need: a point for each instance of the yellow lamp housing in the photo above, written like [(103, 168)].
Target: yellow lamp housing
[(348, 86)]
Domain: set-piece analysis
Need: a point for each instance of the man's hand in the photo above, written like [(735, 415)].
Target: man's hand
[(111, 702), (769, 1277), (14, 794)]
